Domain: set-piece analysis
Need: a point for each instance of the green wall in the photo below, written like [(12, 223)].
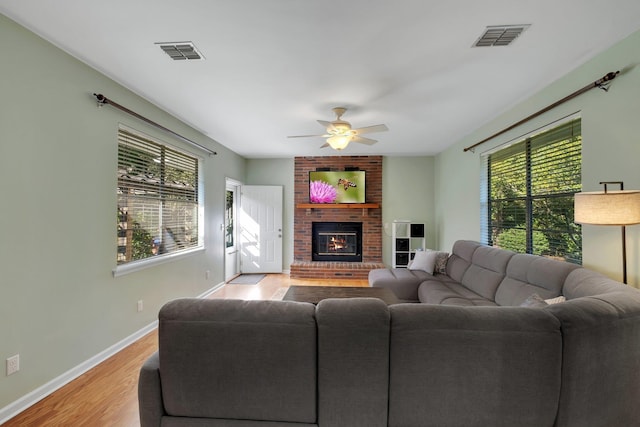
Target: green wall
[(60, 305), (408, 194), (611, 148)]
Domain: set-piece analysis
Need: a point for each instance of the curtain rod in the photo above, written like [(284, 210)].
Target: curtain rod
[(102, 100), (601, 83)]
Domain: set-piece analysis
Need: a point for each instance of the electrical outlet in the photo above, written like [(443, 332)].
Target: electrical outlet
[(13, 364), (140, 305)]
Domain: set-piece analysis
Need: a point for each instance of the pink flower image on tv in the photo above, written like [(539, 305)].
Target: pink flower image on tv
[(321, 192)]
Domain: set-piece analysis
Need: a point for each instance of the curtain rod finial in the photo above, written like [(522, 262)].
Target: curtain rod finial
[(605, 81), (101, 99)]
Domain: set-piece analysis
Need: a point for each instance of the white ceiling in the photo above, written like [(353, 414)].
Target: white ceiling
[(274, 67)]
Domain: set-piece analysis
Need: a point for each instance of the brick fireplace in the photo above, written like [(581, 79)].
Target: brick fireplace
[(368, 214)]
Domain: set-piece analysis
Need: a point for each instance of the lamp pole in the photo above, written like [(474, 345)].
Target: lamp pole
[(624, 255), (624, 233)]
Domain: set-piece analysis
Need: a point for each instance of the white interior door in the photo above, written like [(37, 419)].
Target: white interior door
[(260, 221)]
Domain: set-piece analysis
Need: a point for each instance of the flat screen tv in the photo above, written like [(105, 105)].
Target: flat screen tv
[(337, 186)]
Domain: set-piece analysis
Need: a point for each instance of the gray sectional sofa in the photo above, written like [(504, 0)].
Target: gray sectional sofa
[(470, 355), (476, 275)]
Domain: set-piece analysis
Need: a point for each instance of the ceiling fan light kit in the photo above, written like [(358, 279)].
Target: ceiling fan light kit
[(339, 142), (340, 134)]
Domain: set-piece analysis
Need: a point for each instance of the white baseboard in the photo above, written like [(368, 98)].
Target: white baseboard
[(45, 390), (210, 291)]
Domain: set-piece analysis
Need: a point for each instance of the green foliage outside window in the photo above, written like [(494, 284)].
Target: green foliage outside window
[(530, 194), (229, 219)]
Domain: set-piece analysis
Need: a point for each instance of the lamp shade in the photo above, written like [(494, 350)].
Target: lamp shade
[(610, 208)]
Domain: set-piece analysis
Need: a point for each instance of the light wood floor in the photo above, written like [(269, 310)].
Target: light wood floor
[(107, 394)]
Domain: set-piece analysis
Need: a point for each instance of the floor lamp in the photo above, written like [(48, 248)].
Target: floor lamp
[(619, 208)]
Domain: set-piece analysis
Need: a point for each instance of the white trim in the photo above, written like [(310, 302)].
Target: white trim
[(30, 399), (131, 267), (210, 291)]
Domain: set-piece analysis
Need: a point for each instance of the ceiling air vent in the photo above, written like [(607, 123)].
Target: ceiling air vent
[(179, 51), (500, 35)]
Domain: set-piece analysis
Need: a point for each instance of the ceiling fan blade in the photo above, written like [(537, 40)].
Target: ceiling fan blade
[(327, 125), (326, 144), (363, 140), (307, 136), (371, 129)]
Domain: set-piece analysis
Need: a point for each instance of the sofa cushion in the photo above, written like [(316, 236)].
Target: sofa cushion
[(473, 366), (487, 269), (460, 258), (527, 274), (445, 291), (402, 281), (601, 353), (241, 360), (583, 282), (353, 362)]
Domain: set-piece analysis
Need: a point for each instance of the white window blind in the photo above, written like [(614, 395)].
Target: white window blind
[(528, 190), (158, 201)]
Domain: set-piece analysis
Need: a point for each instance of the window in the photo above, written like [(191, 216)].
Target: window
[(528, 190), (158, 199), (228, 219)]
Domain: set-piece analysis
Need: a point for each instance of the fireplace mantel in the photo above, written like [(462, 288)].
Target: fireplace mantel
[(363, 206)]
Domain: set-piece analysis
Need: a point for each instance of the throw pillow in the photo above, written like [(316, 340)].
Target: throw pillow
[(441, 262), (555, 300), (534, 301), (423, 260)]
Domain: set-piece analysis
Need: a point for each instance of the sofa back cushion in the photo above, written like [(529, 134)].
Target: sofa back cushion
[(460, 258), (353, 362), (240, 360), (473, 366), (601, 352), (488, 268), (584, 282), (531, 274)]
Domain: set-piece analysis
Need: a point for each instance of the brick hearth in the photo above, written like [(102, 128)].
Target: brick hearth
[(371, 218), (332, 270)]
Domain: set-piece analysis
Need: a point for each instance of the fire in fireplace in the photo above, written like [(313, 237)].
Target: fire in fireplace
[(336, 241)]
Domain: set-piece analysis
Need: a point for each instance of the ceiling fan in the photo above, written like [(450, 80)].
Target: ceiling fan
[(340, 134)]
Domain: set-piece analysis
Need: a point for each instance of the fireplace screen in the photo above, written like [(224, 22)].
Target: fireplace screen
[(336, 241)]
